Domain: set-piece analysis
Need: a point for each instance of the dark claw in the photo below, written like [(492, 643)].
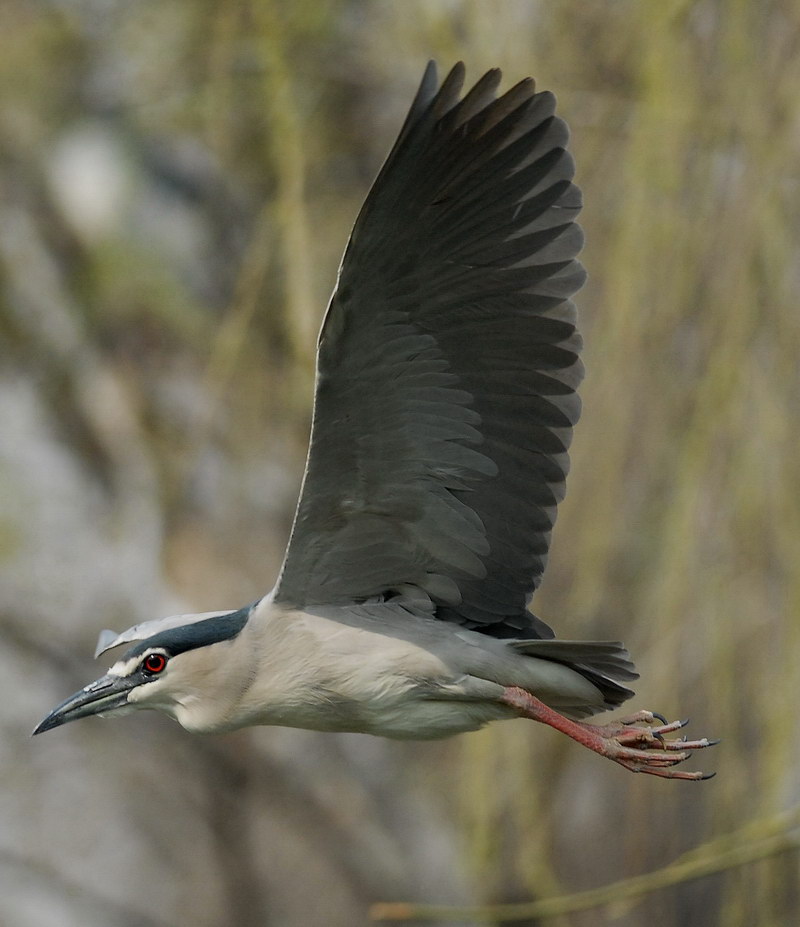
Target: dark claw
[(660, 717), (706, 776)]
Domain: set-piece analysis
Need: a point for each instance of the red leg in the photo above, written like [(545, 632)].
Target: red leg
[(640, 749)]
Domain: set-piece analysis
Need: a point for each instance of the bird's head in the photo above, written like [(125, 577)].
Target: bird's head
[(180, 666)]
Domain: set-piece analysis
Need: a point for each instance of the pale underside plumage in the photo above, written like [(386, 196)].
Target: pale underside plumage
[(447, 368)]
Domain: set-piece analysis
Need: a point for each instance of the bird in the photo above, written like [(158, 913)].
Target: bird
[(448, 364)]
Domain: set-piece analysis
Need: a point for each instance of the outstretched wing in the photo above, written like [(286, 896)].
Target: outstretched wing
[(447, 367)]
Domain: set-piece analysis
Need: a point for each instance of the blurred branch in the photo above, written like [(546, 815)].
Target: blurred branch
[(759, 840), (231, 339), (287, 151), (92, 399)]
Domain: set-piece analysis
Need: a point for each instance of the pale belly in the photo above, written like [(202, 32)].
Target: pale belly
[(414, 717)]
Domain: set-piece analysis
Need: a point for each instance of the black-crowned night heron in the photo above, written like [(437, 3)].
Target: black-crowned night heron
[(447, 371)]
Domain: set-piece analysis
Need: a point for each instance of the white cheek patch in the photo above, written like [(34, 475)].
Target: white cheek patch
[(150, 694), (124, 668)]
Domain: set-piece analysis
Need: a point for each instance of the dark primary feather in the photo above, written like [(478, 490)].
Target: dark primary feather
[(447, 367)]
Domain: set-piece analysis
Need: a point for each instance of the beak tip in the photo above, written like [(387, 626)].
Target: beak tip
[(46, 724), (103, 695)]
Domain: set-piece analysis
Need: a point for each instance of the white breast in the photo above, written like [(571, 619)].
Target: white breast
[(380, 670)]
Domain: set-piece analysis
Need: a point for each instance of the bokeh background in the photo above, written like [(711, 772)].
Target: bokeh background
[(177, 182)]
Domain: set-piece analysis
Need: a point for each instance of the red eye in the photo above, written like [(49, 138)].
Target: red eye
[(154, 663)]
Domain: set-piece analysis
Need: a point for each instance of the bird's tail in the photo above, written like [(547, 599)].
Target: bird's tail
[(604, 663)]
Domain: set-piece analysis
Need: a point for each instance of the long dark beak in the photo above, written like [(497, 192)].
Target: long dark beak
[(105, 694)]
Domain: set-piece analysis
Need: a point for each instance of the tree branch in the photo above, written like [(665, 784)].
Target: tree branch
[(759, 840)]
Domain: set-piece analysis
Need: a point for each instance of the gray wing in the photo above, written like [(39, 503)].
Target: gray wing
[(447, 367)]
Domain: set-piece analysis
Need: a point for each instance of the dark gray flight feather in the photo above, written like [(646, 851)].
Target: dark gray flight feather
[(448, 367)]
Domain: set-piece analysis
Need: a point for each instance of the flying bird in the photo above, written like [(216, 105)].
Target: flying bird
[(446, 393)]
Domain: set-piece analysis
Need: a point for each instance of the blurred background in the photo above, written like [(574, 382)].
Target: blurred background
[(177, 182)]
